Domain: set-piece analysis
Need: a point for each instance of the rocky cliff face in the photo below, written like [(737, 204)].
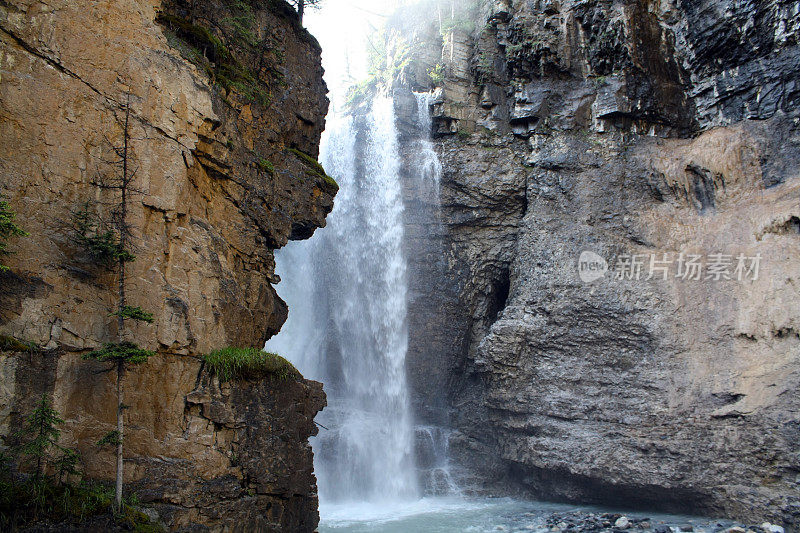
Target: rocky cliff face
[(637, 128), (227, 104)]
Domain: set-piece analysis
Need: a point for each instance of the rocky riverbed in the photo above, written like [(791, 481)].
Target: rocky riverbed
[(580, 521)]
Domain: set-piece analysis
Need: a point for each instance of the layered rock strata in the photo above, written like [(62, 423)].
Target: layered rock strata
[(637, 128), (227, 106)]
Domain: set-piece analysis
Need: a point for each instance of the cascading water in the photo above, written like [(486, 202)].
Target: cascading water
[(433, 443), (430, 168), (347, 320)]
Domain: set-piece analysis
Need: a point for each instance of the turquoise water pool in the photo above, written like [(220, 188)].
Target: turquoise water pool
[(446, 515)]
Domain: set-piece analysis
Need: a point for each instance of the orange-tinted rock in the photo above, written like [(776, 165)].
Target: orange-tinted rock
[(208, 216)]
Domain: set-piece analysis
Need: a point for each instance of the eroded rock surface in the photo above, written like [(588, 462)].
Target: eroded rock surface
[(621, 128)]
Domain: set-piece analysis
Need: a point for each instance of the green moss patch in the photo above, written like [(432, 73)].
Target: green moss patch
[(315, 168), (202, 47), (11, 344), (248, 363), (266, 165)]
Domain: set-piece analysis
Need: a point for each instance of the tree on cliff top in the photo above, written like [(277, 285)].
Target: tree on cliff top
[(300, 5), (108, 246)]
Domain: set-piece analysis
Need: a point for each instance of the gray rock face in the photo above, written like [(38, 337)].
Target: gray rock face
[(624, 129)]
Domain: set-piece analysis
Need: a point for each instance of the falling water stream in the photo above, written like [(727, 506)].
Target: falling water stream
[(430, 168), (346, 289), (347, 327)]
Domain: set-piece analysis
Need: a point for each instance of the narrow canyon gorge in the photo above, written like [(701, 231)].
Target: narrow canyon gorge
[(530, 250)]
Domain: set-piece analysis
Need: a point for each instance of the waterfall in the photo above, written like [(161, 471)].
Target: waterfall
[(433, 461), (430, 168), (431, 441), (346, 290)]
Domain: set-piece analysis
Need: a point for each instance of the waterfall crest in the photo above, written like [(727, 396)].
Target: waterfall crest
[(347, 321)]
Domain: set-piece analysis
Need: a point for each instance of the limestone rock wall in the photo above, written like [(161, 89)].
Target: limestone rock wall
[(621, 128), (222, 181)]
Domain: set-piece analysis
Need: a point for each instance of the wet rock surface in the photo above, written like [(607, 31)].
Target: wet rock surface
[(583, 521)]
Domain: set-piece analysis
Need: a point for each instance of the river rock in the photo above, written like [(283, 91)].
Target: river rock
[(622, 523)]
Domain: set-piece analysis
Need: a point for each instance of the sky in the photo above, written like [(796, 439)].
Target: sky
[(342, 26)]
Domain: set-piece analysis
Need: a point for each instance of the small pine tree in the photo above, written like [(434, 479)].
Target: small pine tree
[(93, 235), (107, 245), (66, 464), (41, 427), (8, 228)]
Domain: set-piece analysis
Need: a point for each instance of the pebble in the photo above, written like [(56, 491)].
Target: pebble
[(622, 523), (582, 522), (771, 528)]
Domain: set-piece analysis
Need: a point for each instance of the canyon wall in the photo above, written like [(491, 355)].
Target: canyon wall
[(227, 106), (631, 130)]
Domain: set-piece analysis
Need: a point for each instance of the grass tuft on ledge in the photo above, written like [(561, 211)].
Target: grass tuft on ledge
[(11, 344), (315, 167), (243, 363)]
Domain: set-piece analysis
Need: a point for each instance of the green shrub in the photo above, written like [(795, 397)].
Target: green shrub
[(11, 344), (27, 501), (112, 438), (8, 228), (134, 313), (127, 352), (243, 363), (436, 74), (66, 464)]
